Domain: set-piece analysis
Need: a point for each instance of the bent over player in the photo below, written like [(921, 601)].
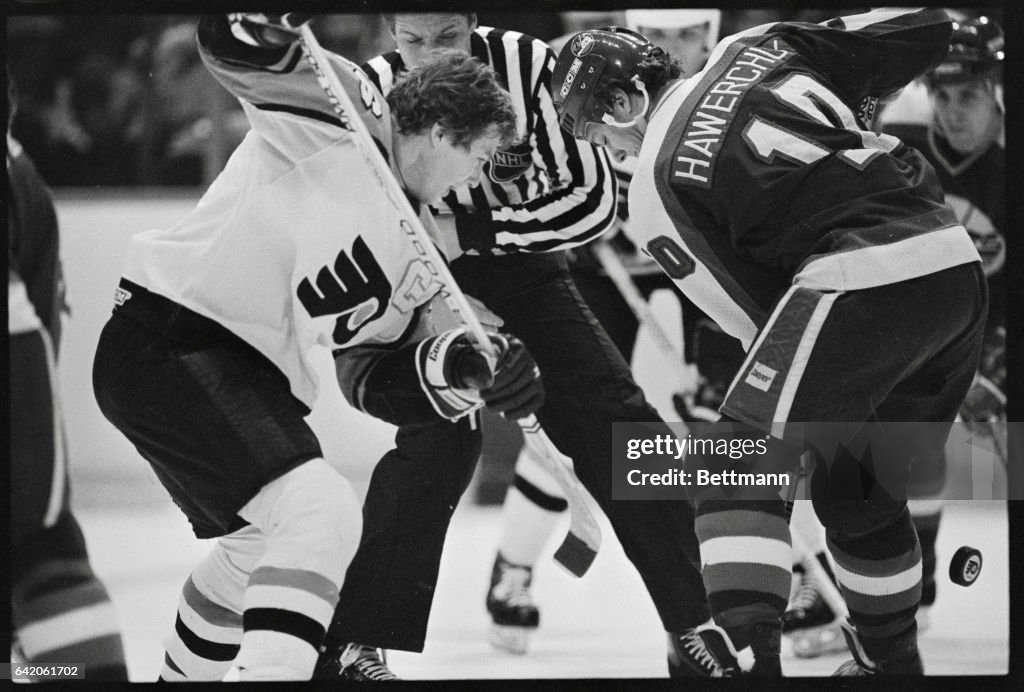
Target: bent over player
[(828, 251), (205, 364), (538, 196)]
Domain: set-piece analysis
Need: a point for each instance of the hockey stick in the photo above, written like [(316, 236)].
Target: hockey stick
[(641, 309), (619, 275), (580, 546)]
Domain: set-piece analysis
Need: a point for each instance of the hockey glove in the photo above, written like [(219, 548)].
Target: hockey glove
[(271, 30), (517, 390), (458, 379)]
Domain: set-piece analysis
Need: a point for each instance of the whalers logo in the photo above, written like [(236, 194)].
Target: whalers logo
[(582, 44), (571, 77)]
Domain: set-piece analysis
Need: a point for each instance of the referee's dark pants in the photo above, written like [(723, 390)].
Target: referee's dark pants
[(387, 594)]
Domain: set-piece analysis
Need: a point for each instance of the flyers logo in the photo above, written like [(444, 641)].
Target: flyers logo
[(355, 288)]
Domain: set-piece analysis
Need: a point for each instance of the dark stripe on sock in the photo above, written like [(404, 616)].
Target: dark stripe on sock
[(287, 621), (539, 497), (204, 648)]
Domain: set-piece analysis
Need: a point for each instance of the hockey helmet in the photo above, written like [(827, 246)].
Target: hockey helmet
[(587, 59), (975, 52)]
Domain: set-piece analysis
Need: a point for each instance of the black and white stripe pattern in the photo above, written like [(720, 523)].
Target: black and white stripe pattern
[(567, 197)]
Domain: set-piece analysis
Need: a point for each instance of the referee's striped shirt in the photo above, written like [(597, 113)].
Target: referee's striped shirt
[(549, 191)]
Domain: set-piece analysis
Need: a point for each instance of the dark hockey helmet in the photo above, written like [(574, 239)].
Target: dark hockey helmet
[(975, 52), (586, 60)]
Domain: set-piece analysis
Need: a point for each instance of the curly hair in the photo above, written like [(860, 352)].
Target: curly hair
[(459, 93), (656, 70)]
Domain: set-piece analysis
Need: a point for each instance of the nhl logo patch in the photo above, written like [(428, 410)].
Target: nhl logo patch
[(582, 44), (509, 164)]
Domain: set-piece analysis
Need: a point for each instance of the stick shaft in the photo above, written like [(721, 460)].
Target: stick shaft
[(455, 299), (583, 525)]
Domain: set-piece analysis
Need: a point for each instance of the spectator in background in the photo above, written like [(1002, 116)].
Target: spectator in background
[(195, 122), (82, 119)]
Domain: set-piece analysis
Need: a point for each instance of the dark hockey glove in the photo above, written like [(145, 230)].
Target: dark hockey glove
[(517, 390), (271, 30), (458, 378)]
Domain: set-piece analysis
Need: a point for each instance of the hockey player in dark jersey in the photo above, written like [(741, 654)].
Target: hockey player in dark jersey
[(955, 117), (60, 610), (828, 251), (206, 364), (545, 193)]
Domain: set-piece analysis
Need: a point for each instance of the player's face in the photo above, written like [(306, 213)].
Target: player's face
[(687, 45), (418, 34), (619, 142), (454, 165), (968, 114)]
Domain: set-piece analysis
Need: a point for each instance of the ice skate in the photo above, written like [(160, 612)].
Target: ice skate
[(352, 663), (688, 656), (809, 624), (892, 655), (514, 616)]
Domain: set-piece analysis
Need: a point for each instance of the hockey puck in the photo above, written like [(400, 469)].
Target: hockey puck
[(965, 567)]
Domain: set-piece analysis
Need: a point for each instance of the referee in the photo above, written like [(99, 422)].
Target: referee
[(543, 195)]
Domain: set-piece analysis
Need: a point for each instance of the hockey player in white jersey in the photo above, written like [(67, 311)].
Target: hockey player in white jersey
[(205, 363)]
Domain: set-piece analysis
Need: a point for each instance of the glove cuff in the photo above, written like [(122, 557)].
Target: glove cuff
[(431, 356)]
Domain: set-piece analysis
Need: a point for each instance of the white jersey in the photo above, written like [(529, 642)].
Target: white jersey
[(295, 244)]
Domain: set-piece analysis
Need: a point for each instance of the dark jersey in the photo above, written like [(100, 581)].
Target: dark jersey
[(35, 277), (975, 188), (547, 191), (758, 173)]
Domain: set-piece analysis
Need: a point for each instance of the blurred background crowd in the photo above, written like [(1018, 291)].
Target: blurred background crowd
[(123, 100)]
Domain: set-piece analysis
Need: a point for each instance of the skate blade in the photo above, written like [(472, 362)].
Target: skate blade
[(514, 640), (817, 641)]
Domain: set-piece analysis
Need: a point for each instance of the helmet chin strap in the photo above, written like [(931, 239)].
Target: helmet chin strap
[(609, 120)]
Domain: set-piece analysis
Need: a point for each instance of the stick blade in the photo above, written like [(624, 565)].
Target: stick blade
[(575, 555)]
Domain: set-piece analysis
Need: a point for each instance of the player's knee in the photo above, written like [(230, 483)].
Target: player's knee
[(854, 519), (317, 512)]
